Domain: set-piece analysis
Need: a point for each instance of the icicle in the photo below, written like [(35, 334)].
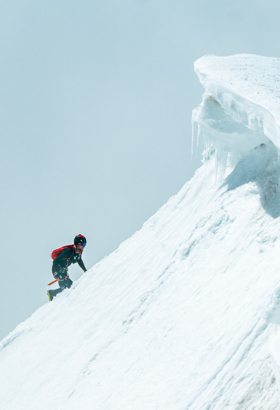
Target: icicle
[(195, 128), (221, 164), (198, 137)]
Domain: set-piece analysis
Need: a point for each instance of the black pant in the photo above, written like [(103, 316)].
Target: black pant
[(63, 284)]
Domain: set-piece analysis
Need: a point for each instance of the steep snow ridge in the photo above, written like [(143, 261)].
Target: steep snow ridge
[(247, 88), (173, 319), (240, 111), (178, 317)]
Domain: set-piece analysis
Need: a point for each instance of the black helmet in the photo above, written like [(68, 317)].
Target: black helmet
[(80, 239)]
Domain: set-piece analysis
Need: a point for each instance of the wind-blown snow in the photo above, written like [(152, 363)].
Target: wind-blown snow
[(179, 317)]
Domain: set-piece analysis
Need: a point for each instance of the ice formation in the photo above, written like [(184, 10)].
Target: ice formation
[(241, 104), (185, 313)]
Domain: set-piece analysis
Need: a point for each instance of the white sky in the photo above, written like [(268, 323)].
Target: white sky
[(95, 110)]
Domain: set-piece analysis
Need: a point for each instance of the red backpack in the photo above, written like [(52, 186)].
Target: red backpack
[(58, 251)]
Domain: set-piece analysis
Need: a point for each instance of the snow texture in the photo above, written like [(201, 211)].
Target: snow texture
[(183, 315)]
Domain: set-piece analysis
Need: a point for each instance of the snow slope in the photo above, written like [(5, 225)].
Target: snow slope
[(178, 317)]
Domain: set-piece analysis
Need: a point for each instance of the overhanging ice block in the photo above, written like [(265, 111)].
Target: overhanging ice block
[(246, 91)]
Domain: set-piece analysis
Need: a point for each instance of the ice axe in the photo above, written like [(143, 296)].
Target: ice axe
[(56, 281), (53, 282)]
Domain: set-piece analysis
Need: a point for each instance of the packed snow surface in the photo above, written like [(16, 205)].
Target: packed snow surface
[(183, 315)]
